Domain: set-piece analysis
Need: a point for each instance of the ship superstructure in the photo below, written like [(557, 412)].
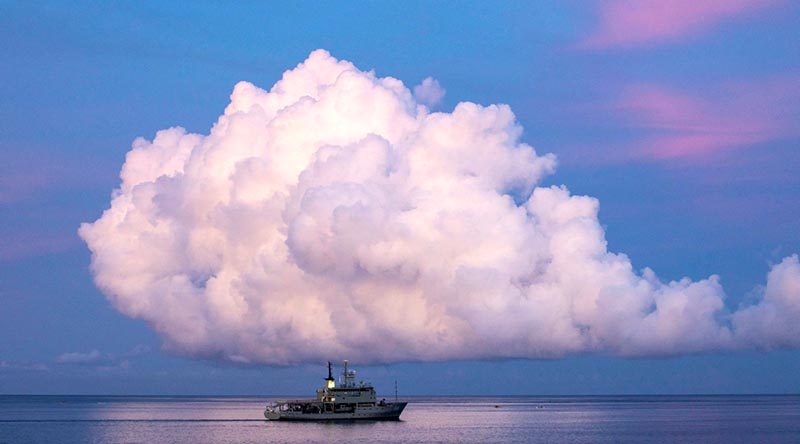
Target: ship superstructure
[(348, 400)]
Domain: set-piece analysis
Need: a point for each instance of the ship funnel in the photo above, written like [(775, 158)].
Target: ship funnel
[(329, 381)]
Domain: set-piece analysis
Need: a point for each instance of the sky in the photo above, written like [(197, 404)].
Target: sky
[(681, 120)]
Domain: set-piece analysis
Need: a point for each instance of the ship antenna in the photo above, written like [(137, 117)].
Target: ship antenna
[(330, 374)]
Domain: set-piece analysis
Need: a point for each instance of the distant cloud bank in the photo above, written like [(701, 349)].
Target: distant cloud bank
[(335, 215), (95, 358), (92, 357)]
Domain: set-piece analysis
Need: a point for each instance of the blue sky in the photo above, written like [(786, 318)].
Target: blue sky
[(686, 133)]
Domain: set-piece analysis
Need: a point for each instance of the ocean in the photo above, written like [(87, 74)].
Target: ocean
[(505, 419)]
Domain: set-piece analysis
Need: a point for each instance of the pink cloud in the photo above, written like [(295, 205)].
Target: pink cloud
[(629, 23), (732, 116)]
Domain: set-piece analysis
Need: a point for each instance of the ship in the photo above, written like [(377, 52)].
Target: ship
[(346, 401)]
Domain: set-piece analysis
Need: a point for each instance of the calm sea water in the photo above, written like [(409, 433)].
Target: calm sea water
[(595, 419)]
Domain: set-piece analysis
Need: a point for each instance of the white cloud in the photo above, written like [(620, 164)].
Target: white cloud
[(429, 92), (334, 216), (775, 321)]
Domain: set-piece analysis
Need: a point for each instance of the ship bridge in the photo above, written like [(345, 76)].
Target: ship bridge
[(348, 391)]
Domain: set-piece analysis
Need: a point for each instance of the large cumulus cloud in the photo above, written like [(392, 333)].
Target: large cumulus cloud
[(334, 215)]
